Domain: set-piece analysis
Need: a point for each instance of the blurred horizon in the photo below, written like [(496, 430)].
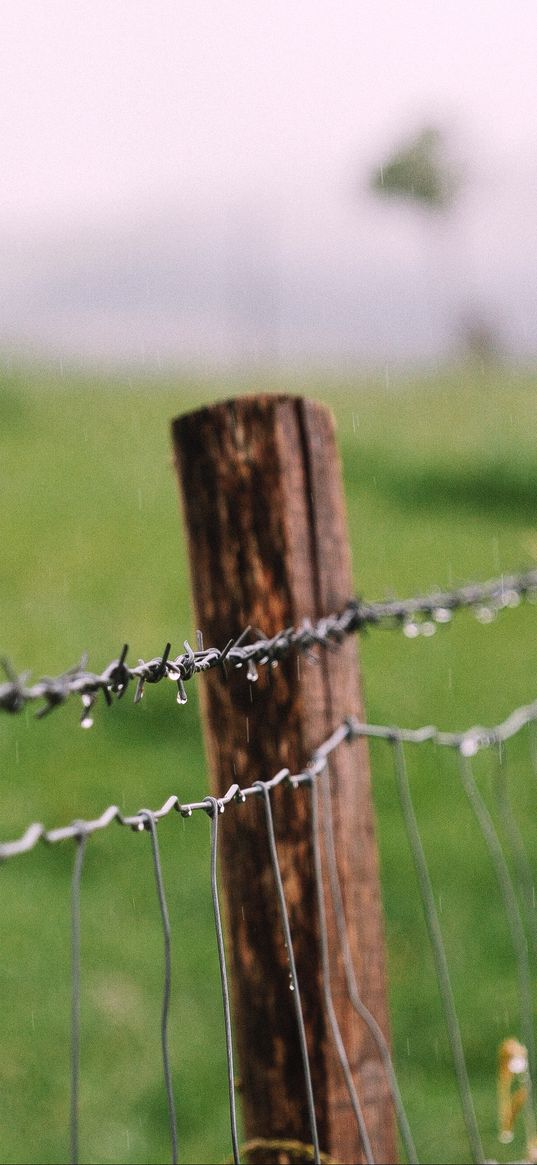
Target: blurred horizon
[(195, 189)]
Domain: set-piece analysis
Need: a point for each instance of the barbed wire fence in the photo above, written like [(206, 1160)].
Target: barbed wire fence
[(465, 745), (264, 514), (418, 615)]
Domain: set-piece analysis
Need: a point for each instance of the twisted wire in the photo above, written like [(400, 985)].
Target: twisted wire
[(114, 680), (326, 981), (264, 787), (516, 844), (215, 810), (469, 742), (501, 869), (151, 825), (438, 949), (75, 993), (352, 985)]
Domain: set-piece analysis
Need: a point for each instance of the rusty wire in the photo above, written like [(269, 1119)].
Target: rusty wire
[(419, 615)]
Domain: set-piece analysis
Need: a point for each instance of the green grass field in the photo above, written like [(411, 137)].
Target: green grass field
[(441, 484)]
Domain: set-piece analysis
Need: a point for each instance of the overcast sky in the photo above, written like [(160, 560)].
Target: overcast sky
[(118, 113)]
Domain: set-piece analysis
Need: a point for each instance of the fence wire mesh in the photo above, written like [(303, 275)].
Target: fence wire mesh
[(465, 745), (514, 888)]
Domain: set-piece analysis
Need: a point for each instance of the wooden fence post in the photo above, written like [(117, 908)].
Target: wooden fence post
[(264, 511)]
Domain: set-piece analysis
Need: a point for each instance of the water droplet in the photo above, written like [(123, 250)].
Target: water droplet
[(187, 812), (427, 628), (469, 746), (252, 674), (291, 986), (87, 704), (182, 697), (485, 614), (442, 615), (410, 629)]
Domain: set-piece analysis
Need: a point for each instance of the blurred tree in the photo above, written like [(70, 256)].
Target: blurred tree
[(419, 171), (422, 172)]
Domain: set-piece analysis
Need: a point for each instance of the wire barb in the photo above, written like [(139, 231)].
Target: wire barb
[(417, 615)]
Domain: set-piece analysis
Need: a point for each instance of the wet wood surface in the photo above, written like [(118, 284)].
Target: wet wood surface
[(265, 518)]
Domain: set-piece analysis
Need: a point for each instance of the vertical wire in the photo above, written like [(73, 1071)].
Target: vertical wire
[(327, 988), (518, 937), (167, 979), (212, 801), (75, 994), (516, 842), (352, 985), (533, 746), (292, 969), (438, 949)]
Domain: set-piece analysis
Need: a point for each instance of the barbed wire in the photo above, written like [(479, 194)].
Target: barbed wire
[(418, 615)]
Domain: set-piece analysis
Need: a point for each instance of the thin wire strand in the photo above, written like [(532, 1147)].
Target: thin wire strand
[(352, 984), (437, 608), (438, 949), (327, 986), (516, 844), (533, 749), (264, 787), (470, 742), (467, 743), (501, 869), (214, 814), (75, 995), (161, 894)]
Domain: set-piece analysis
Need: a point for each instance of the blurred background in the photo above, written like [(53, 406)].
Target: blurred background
[(211, 185), (207, 198)]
